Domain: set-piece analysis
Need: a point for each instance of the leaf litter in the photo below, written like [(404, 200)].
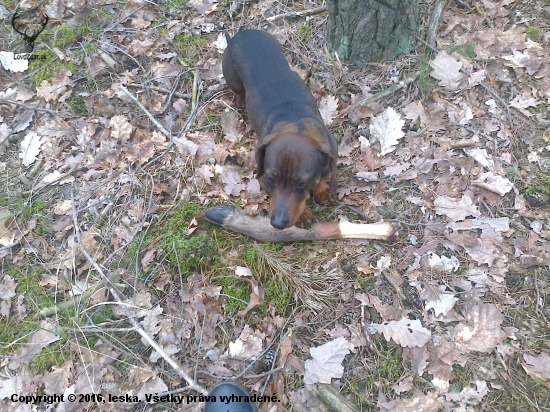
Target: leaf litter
[(459, 303)]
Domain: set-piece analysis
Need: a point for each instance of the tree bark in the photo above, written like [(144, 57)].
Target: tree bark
[(364, 31)]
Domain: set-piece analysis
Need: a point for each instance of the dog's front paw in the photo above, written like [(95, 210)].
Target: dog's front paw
[(306, 220), (321, 193)]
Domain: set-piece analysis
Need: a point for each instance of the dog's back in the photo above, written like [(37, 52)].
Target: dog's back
[(254, 63)]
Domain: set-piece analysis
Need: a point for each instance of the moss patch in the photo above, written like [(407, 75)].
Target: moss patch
[(189, 47)]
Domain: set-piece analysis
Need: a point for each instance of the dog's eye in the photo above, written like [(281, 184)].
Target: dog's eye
[(301, 186), (268, 180)]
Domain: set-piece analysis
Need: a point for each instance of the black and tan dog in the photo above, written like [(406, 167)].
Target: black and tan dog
[(296, 150)]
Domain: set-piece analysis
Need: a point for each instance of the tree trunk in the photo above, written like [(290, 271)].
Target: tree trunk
[(363, 31)]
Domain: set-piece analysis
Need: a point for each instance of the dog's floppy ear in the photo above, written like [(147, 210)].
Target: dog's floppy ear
[(326, 151), (260, 154)]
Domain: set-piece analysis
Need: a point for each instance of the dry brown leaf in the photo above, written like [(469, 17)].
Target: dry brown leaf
[(481, 330), (233, 181), (418, 358), (204, 6), (247, 346), (256, 294), (430, 402), (328, 107), (55, 89), (387, 130), (185, 146), (326, 362), (153, 385), (482, 251), (141, 152), (230, 125), (150, 322), (38, 340), (404, 385), (203, 175), (455, 209), (405, 332), (537, 366), (446, 70), (57, 380), (438, 299), (493, 183), (121, 128), (30, 148), (487, 225), (386, 312), (469, 396)]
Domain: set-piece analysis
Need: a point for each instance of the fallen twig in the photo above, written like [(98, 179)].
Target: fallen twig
[(293, 14), (332, 398), (144, 110), (131, 317), (435, 19), (390, 90), (39, 109), (52, 310)]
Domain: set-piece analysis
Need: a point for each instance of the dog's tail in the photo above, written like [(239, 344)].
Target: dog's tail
[(259, 227)]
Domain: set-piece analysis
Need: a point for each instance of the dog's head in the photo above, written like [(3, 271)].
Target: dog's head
[(290, 165)]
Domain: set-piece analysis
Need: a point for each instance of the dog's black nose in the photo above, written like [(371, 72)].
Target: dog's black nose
[(279, 220)]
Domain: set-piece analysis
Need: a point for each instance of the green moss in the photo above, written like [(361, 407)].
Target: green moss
[(34, 208), (365, 282), (77, 104), (324, 214), (64, 35), (540, 185), (191, 254), (533, 34), (391, 368), (189, 47), (176, 4), (237, 294), (13, 333), (194, 253), (539, 108), (251, 256), (425, 82), (512, 172), (47, 64), (182, 216), (105, 314), (54, 354), (468, 50), (276, 294), (304, 32), (29, 284)]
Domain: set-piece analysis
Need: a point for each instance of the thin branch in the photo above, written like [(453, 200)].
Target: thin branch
[(40, 109), (390, 90), (131, 317), (294, 14), (435, 19), (144, 110), (52, 310)]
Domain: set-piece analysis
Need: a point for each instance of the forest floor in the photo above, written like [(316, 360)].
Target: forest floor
[(104, 248)]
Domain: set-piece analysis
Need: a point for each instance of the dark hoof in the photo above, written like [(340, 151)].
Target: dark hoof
[(219, 214)]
